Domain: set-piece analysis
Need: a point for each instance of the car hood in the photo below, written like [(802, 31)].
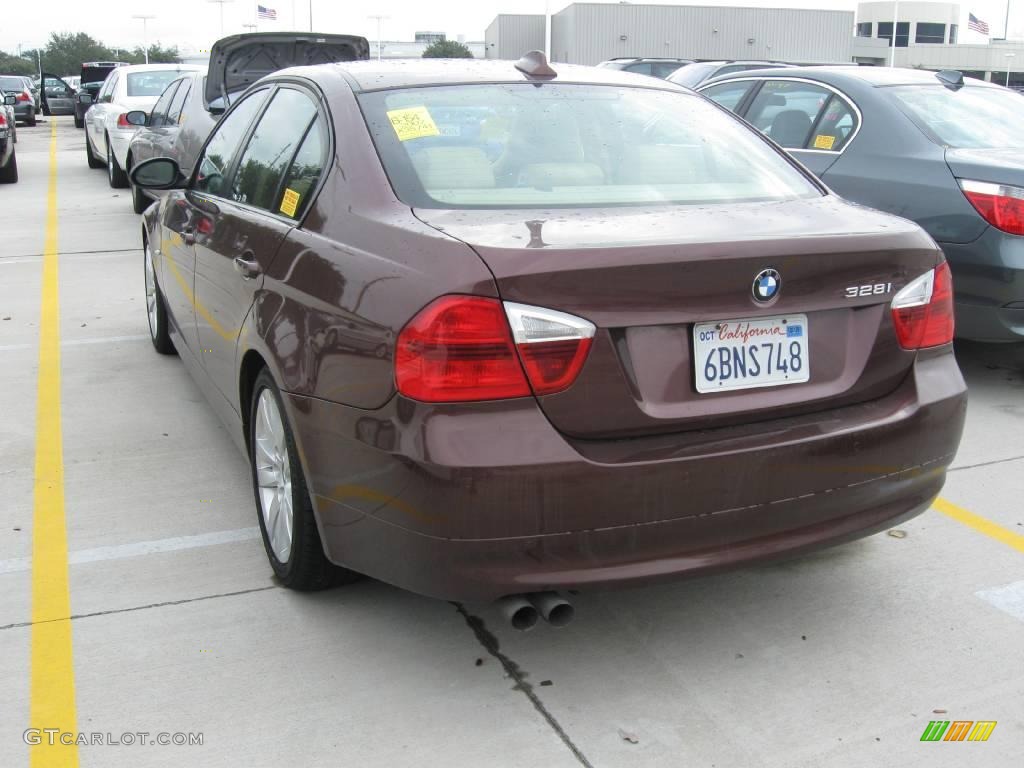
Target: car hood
[(238, 61), (998, 166)]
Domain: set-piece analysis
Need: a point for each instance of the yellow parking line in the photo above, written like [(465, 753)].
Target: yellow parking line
[(52, 692), (980, 524)]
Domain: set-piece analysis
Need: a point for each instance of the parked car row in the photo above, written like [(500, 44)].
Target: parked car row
[(487, 329)]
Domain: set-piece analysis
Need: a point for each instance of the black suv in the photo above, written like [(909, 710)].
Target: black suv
[(93, 75)]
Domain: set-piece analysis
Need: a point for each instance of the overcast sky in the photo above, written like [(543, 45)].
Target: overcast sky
[(195, 24)]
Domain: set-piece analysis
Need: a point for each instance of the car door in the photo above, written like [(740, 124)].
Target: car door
[(95, 118), (190, 216), (59, 95), (814, 121), (253, 218), (146, 140), (165, 143)]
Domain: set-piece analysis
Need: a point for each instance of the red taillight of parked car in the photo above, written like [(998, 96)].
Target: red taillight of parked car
[(1001, 205), (922, 311), (471, 348), (24, 96), (122, 121), (3, 120)]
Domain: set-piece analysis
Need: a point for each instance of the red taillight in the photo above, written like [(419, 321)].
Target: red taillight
[(3, 120), (122, 121), (922, 311), (1001, 205), (461, 348), (24, 96)]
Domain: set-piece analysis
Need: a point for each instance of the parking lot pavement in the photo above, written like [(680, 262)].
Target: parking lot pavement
[(840, 658)]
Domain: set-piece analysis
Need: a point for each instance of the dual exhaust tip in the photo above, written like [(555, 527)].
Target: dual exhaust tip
[(523, 611)]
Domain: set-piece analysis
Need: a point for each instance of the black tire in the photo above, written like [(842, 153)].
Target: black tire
[(94, 162), (139, 200), (9, 173), (307, 569), (116, 176), (158, 331), (31, 121)]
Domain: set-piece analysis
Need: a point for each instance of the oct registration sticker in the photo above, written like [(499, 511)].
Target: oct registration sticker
[(743, 354)]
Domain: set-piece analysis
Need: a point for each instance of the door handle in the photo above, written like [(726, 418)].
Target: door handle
[(247, 267), (188, 235)]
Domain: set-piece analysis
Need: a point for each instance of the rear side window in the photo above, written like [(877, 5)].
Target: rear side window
[(223, 145), (801, 115), (640, 68), (273, 144), (580, 146), (304, 173), (728, 95)]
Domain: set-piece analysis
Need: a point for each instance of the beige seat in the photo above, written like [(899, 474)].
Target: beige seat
[(453, 168), (661, 164), (547, 175)]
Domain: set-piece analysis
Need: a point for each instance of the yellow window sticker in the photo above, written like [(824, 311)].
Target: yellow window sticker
[(412, 123), (824, 142), (290, 202)]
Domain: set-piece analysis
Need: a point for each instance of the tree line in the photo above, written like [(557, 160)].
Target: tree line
[(65, 52)]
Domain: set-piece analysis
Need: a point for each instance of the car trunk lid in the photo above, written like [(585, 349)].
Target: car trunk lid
[(238, 61), (998, 166), (645, 277)]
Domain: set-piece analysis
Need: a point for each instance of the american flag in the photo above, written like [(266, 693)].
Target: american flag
[(973, 22), (270, 13)]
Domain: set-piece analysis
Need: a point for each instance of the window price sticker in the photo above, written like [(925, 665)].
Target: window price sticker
[(824, 142), (290, 202), (412, 123)]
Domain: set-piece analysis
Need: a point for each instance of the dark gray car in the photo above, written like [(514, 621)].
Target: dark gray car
[(945, 151), (190, 106)]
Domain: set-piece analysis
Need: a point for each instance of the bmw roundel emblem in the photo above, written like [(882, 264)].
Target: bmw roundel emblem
[(767, 285)]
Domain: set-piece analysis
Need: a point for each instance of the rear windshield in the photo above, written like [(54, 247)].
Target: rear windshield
[(967, 118), (150, 83), (554, 145), (11, 84), (692, 75)]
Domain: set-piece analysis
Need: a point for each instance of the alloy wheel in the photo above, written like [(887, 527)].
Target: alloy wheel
[(273, 475), (151, 297)]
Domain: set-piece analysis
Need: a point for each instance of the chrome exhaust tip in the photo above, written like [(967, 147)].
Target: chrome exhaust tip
[(555, 609), (520, 613)]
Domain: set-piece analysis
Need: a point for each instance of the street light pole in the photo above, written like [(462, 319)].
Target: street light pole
[(379, 20), (221, 4), (145, 37)]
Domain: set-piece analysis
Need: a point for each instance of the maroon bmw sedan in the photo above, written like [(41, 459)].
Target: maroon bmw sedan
[(492, 329)]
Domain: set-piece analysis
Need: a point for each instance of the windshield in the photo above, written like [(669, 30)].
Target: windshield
[(968, 118), (150, 83), (692, 75), (553, 145)]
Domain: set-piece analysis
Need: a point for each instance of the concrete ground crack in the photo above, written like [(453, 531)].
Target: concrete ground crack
[(490, 644)]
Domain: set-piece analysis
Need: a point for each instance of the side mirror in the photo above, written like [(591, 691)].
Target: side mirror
[(10, 100), (136, 117), (157, 173), (85, 98)]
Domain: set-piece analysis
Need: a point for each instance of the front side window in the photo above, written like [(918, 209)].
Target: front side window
[(178, 102), (150, 83), (972, 117), (223, 145), (581, 146), (159, 114), (728, 95), (270, 150), (108, 88)]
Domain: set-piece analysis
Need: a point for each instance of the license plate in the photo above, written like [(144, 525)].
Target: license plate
[(744, 354)]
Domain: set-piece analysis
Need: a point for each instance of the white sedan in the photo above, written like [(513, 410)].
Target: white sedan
[(107, 131)]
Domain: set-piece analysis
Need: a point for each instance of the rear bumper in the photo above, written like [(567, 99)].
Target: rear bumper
[(476, 502), (24, 110), (988, 283)]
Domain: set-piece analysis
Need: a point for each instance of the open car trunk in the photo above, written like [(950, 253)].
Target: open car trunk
[(238, 61), (647, 276)]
